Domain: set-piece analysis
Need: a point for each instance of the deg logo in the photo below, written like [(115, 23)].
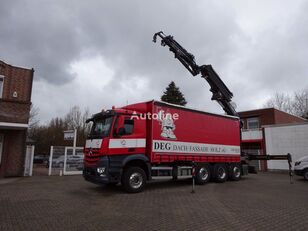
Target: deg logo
[(167, 125), (123, 142)]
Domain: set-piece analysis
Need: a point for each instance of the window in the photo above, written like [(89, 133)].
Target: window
[(253, 123), (129, 126), (1, 85), (101, 127)]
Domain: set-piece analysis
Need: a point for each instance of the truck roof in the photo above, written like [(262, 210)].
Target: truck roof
[(142, 107)]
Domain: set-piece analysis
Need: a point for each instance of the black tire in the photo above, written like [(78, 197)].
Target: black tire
[(134, 179), (220, 173), (235, 172), (203, 174), (306, 174)]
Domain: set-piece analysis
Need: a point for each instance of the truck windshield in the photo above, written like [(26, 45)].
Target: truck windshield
[(101, 127)]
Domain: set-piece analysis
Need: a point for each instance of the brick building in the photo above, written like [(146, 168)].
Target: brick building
[(15, 102), (253, 137)]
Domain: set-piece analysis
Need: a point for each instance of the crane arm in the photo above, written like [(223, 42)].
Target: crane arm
[(187, 59), (267, 157), (220, 91)]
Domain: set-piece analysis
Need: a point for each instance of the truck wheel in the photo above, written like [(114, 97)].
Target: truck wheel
[(134, 179), (306, 174), (220, 173), (235, 172), (203, 174)]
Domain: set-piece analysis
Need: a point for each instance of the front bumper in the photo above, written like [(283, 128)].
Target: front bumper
[(298, 172), (91, 174)]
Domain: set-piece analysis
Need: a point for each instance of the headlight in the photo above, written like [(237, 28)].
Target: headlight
[(101, 170)]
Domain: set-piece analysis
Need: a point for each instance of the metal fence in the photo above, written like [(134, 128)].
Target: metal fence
[(65, 160)]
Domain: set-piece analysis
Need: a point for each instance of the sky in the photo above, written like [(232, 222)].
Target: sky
[(99, 53)]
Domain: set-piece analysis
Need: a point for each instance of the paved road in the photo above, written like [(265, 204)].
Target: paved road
[(258, 202)]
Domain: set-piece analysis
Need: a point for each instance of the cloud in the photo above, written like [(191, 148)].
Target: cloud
[(100, 54)]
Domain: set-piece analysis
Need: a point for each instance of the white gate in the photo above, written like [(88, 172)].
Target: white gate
[(73, 161), (65, 160), (29, 160)]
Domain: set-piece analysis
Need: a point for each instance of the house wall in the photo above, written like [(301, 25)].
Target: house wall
[(14, 112), (285, 118), (13, 156), (15, 104), (16, 98), (285, 139), (266, 116), (269, 116), (16, 79)]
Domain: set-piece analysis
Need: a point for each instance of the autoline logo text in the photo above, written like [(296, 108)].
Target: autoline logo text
[(161, 115)]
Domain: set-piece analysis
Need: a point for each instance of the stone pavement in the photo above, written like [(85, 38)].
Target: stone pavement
[(258, 202)]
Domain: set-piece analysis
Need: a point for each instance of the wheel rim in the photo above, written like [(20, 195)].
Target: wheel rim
[(236, 172), (221, 173), (135, 180), (306, 175), (204, 174)]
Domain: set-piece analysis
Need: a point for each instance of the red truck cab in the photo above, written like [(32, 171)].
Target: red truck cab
[(114, 137)]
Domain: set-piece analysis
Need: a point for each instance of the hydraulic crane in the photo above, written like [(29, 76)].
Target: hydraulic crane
[(220, 91)]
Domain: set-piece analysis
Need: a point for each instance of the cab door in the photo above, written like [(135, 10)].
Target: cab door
[(128, 136)]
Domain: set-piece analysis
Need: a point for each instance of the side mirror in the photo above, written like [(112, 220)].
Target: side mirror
[(121, 131)]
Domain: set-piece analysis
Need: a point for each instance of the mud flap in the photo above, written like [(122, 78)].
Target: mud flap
[(244, 168)]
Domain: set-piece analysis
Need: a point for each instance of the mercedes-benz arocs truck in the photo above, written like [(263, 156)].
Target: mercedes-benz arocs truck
[(129, 143), (126, 143)]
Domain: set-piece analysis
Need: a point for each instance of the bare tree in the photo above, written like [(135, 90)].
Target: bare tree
[(33, 116), (52, 133), (282, 102), (85, 116), (76, 119), (297, 104), (73, 118), (300, 103)]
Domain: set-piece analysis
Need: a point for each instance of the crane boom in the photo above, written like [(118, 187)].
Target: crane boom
[(220, 91)]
